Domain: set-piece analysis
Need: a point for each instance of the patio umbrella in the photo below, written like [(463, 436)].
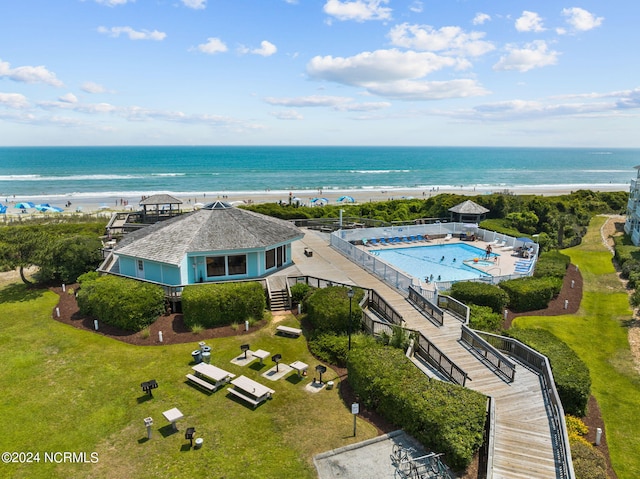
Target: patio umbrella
[(348, 199), (24, 205), (524, 240)]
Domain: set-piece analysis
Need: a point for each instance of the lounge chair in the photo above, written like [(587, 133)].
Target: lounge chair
[(501, 244), (396, 239), (405, 239), (448, 237), (420, 238), (383, 241), (373, 242), (412, 239)]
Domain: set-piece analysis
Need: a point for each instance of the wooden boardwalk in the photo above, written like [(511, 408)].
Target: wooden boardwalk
[(523, 439)]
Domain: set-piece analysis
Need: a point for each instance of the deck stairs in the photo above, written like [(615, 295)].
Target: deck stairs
[(278, 294)]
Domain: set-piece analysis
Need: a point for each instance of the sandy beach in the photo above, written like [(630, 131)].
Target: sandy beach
[(107, 205)]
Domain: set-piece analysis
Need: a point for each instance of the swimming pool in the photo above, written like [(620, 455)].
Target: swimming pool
[(443, 262)]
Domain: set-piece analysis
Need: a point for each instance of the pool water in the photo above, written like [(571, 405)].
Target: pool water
[(443, 262)]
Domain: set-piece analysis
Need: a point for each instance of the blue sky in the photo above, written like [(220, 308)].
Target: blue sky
[(319, 72)]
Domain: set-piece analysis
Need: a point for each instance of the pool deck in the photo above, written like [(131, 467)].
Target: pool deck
[(523, 436)]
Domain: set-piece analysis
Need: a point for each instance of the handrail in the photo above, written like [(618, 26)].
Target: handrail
[(540, 363), (433, 312), (490, 354), (457, 309), (436, 358)]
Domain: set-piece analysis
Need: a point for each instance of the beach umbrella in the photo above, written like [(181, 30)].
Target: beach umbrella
[(3, 209), (42, 206), (47, 208), (319, 201), (24, 205), (295, 199), (348, 199)]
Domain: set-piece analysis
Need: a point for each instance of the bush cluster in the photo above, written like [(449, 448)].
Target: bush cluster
[(210, 305), (552, 263), (530, 294), (299, 291), (121, 302), (588, 462), (570, 373), (480, 294), (483, 318), (328, 309), (333, 348), (444, 417)]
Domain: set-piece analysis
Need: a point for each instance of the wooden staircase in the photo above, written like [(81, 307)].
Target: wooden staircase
[(278, 295)]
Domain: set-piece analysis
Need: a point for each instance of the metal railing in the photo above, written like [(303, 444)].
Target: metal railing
[(486, 452), (430, 353), (457, 309), (540, 363), (489, 353), (433, 312)]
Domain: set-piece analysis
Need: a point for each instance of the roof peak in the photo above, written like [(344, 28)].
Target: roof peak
[(217, 205)]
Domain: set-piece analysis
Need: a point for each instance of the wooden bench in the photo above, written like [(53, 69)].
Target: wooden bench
[(201, 382), (295, 332), (242, 396)]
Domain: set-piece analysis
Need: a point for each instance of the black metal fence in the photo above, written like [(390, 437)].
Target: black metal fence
[(489, 354), (433, 312), (430, 353)]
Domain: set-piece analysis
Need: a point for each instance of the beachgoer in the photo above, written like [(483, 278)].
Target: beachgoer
[(442, 259)]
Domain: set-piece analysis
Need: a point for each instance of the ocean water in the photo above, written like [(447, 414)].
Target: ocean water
[(67, 172)]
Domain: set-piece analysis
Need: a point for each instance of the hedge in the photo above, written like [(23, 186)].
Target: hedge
[(483, 318), (210, 305), (570, 373), (328, 309), (552, 263), (444, 417), (333, 349), (531, 294), (481, 294), (121, 302)]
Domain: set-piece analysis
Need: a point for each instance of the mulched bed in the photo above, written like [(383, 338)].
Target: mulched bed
[(175, 332)]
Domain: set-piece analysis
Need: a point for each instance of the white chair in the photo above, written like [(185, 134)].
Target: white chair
[(448, 237)]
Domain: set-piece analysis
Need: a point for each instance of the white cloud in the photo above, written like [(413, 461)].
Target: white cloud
[(113, 3), (533, 55), (308, 101), (358, 10), (581, 20), (68, 98), (481, 18), (213, 46), (529, 22), (195, 4), (133, 34), (450, 40), (91, 87), (13, 100), (367, 106), (29, 74), (416, 7), (377, 66), (266, 49), (287, 115), (428, 90)]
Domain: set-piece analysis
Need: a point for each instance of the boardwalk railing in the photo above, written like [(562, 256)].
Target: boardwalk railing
[(430, 353), (457, 309), (540, 363), (435, 314), (489, 353), (486, 452)]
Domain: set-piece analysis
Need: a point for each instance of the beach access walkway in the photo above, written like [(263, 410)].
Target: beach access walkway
[(523, 436)]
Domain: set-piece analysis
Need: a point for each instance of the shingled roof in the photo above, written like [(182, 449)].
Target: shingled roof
[(469, 208), (160, 199), (216, 227)]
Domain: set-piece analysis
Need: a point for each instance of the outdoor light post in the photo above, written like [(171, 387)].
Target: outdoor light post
[(350, 293)]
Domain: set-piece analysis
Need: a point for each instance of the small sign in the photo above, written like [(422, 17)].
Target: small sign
[(355, 408)]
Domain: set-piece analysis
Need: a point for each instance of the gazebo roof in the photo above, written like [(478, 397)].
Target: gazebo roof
[(161, 199), (468, 207), (209, 229)]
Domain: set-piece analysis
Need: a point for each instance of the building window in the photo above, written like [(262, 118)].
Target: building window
[(270, 258), (215, 266), (140, 265), (237, 264)]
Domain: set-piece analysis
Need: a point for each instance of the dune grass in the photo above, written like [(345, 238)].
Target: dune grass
[(65, 389), (598, 334)]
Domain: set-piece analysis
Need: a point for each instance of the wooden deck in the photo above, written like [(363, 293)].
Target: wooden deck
[(523, 441)]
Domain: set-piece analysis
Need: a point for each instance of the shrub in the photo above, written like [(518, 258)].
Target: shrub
[(483, 318), (444, 417), (588, 462), (299, 291), (570, 373), (481, 294), (552, 263), (210, 305), (333, 349), (121, 302), (530, 294), (88, 277), (328, 309)]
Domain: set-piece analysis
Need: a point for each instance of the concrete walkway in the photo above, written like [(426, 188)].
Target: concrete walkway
[(523, 438)]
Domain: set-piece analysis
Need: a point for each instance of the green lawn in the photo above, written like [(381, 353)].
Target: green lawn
[(69, 390), (598, 334)]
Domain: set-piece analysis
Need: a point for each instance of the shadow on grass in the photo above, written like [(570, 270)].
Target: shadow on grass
[(257, 366), (294, 379), (142, 440), (195, 387), (185, 448), (167, 430), (18, 292), (143, 399), (241, 402)]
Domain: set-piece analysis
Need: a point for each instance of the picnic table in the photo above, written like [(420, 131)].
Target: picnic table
[(300, 367), (172, 415), (217, 375), (261, 354), (251, 391)]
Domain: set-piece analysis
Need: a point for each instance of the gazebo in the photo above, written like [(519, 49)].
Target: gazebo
[(216, 243), (159, 207), (468, 212)]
